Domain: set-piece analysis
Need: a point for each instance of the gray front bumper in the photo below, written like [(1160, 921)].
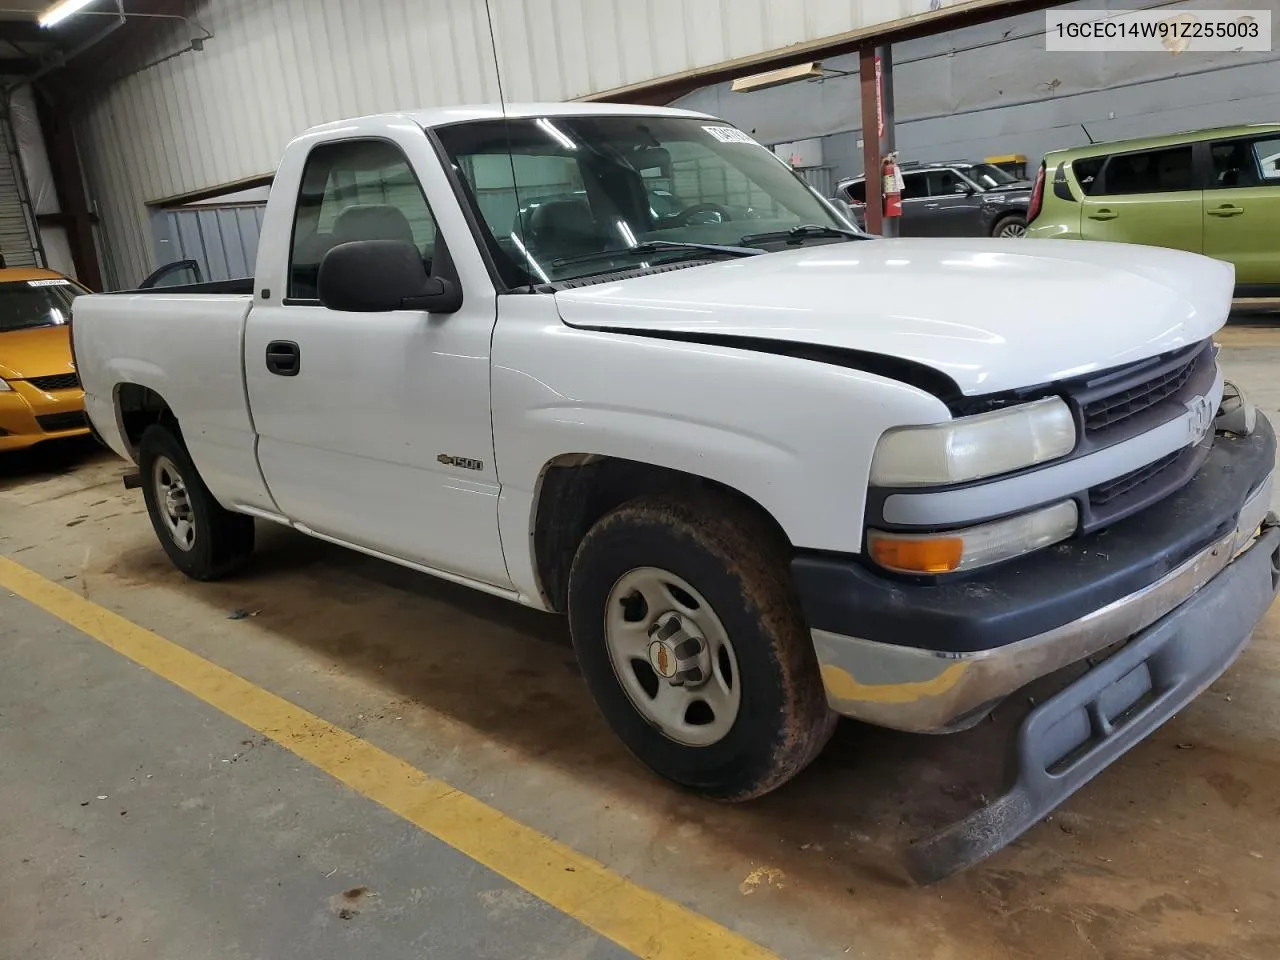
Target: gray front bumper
[(1070, 738), (922, 690)]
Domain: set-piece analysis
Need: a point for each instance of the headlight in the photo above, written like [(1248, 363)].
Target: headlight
[(971, 547), (974, 447)]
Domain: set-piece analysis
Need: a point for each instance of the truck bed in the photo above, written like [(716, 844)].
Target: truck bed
[(184, 345), (237, 285)]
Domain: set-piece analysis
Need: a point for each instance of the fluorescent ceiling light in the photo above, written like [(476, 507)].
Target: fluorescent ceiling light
[(60, 11)]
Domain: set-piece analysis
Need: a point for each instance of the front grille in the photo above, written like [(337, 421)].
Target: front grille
[(1106, 411), (1117, 487), (55, 422), (61, 381)]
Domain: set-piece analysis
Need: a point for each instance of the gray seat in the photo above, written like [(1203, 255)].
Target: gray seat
[(371, 221), (564, 228)]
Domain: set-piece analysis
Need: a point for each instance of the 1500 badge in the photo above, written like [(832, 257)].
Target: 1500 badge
[(466, 463)]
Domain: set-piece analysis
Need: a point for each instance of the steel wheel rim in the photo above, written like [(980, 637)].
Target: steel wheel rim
[(641, 612), (173, 503), (1013, 230)]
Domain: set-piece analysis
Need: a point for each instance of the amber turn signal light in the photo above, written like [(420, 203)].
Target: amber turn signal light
[(917, 555)]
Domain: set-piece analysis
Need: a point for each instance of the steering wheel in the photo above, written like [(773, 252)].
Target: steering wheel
[(688, 213)]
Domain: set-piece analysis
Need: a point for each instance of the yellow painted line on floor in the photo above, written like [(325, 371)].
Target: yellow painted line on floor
[(636, 919)]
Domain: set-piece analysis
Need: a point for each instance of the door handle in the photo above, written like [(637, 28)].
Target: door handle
[(1226, 210), (284, 359), (1103, 214), (931, 205)]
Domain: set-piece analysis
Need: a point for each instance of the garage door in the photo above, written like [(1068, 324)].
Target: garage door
[(15, 228)]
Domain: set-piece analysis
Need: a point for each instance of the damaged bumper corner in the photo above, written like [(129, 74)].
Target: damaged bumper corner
[(1070, 738)]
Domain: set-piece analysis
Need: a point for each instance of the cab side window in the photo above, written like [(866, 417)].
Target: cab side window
[(355, 190), (1246, 163)]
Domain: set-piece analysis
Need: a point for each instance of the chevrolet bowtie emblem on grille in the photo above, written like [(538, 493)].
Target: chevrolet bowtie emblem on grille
[(1201, 419)]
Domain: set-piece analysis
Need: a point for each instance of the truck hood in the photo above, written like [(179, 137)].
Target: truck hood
[(992, 315), (35, 352)]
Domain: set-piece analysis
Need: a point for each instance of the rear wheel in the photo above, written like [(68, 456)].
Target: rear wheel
[(1010, 227), (694, 647), (204, 540)]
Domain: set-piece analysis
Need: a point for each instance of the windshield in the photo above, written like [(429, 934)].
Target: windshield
[(565, 197), (36, 303), (989, 176)]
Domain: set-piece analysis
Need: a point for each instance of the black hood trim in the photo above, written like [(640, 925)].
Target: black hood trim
[(910, 372)]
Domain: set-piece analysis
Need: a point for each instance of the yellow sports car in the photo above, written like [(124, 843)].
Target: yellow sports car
[(40, 395)]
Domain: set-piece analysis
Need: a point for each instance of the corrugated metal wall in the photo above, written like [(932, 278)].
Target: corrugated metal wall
[(274, 67), (223, 240), (992, 89), (15, 226), (17, 229)]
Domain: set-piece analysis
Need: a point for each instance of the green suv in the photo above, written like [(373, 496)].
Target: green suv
[(1215, 192)]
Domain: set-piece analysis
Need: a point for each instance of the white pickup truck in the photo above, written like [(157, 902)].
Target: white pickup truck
[(623, 363)]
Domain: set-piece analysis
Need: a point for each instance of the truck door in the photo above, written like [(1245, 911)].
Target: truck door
[(1242, 210), (374, 428), (1149, 196)]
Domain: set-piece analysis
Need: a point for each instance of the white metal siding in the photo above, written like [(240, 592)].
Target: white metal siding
[(274, 67)]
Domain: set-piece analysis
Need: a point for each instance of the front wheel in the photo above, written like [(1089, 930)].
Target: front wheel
[(204, 540), (1010, 228), (693, 645)]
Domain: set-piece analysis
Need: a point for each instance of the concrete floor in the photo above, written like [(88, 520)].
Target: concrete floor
[(1173, 852), (143, 823)]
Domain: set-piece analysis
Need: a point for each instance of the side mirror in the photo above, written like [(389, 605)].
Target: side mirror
[(375, 276), (964, 188)]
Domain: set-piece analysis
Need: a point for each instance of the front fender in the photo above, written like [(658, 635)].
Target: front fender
[(794, 435)]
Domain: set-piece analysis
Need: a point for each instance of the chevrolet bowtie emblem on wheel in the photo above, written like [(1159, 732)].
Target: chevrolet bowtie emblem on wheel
[(1201, 419), (664, 664)]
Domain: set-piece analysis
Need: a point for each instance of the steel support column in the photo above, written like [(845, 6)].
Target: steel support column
[(875, 73), (888, 139), (64, 163)]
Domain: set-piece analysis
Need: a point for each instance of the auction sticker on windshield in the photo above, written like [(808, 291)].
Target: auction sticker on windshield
[(728, 134), (1157, 31)]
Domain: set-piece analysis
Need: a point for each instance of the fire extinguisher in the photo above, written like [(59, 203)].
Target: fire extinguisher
[(892, 178)]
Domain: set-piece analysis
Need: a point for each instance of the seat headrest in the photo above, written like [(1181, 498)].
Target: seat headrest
[(371, 221), (563, 221)]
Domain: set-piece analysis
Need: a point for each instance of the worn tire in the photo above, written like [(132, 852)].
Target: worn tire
[(739, 563), (223, 540), (1010, 220)]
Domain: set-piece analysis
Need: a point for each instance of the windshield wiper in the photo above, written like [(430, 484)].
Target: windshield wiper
[(656, 246), (803, 232)]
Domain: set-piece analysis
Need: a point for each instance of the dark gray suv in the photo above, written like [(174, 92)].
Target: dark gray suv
[(952, 199)]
